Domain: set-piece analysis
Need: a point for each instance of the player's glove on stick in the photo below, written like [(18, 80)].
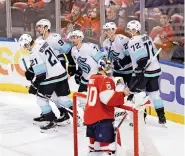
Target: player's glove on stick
[(34, 87), (139, 73), (32, 90), (117, 65), (78, 75), (29, 74), (71, 69)]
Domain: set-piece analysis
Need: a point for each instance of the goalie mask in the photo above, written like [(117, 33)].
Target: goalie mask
[(105, 65)]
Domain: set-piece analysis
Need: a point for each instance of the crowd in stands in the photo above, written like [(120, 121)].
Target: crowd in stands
[(164, 19)]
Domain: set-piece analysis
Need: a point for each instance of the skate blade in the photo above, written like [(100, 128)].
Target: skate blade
[(163, 125), (36, 123), (67, 122), (52, 129)]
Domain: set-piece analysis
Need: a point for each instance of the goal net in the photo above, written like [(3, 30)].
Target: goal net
[(135, 140)]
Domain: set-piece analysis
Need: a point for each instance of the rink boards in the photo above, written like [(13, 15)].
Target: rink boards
[(171, 81)]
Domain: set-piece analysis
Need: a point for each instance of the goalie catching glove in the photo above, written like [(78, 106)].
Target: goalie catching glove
[(138, 100)]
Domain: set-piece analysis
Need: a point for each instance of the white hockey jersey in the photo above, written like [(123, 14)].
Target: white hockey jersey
[(140, 47), (44, 61), (87, 58), (55, 41), (118, 49)]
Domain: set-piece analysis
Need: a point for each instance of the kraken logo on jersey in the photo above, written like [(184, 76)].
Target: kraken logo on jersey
[(113, 55), (83, 65)]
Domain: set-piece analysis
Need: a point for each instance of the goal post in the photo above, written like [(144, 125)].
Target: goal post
[(136, 141)]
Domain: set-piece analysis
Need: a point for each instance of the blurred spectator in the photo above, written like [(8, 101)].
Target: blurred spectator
[(76, 16), (2, 4), (93, 29), (66, 6), (178, 54), (163, 35), (90, 5), (166, 2), (35, 4)]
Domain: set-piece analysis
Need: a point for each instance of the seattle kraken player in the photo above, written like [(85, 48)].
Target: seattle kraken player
[(142, 49), (49, 77), (117, 49), (60, 48), (86, 56)]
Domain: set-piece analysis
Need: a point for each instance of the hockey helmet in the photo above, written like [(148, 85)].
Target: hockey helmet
[(77, 33), (25, 41), (44, 23), (134, 24), (109, 25)]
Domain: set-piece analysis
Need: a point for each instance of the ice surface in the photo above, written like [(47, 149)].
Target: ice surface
[(19, 137)]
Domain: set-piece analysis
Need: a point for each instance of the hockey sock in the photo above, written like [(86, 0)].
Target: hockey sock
[(44, 105)]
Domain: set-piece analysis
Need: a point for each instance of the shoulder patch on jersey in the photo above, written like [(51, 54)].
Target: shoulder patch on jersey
[(108, 85)]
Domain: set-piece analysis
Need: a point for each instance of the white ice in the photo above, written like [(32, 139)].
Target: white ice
[(19, 137)]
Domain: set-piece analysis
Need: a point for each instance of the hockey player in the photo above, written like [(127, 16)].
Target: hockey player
[(50, 77), (117, 49), (60, 48), (55, 41), (99, 110), (86, 56), (142, 49)]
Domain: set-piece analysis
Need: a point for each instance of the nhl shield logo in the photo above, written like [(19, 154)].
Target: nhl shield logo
[(108, 86)]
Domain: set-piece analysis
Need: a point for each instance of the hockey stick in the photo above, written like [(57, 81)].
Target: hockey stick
[(120, 123), (145, 68)]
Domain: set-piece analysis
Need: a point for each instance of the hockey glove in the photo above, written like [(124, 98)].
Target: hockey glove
[(130, 97), (32, 90), (78, 75), (139, 73), (117, 65), (71, 69), (29, 74), (126, 60)]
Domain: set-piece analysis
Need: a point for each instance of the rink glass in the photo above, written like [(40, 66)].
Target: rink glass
[(163, 21)]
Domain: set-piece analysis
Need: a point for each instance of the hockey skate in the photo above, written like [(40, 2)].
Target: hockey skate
[(50, 117), (38, 120), (63, 119), (161, 117)]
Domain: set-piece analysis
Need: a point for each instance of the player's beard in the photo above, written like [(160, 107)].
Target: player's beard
[(75, 43)]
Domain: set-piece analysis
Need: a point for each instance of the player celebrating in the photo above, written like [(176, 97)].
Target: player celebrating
[(60, 48), (142, 49), (117, 49), (86, 56), (56, 42), (50, 77), (101, 100)]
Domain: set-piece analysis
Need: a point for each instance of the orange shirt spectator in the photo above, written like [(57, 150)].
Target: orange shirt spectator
[(34, 4), (76, 17), (163, 36)]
